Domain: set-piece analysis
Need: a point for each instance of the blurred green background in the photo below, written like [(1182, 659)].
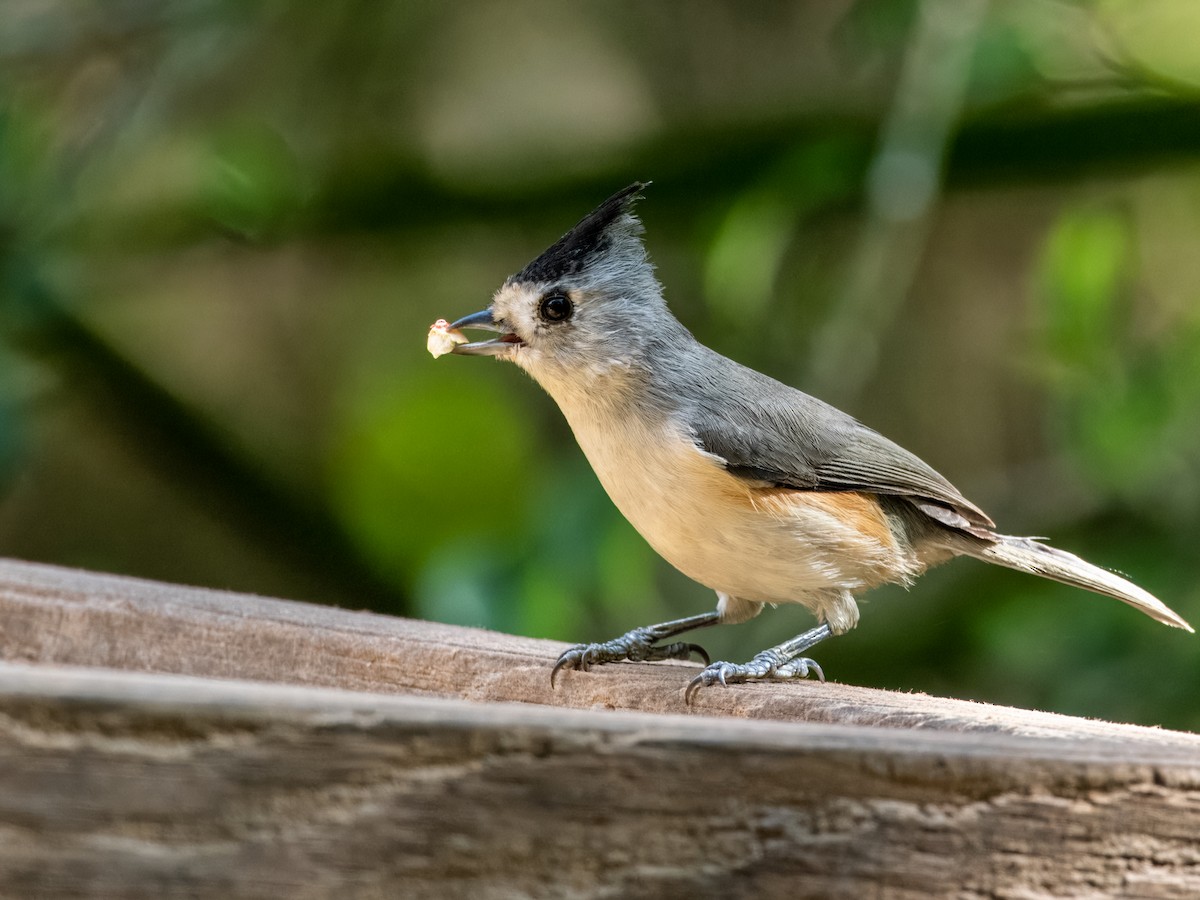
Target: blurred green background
[(225, 227)]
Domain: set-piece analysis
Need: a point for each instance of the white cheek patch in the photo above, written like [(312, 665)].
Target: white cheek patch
[(517, 308)]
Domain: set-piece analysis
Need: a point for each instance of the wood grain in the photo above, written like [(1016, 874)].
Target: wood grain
[(69, 617), (263, 748), (141, 786)]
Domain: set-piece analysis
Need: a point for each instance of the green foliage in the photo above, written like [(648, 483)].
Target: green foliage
[(421, 457), (1085, 267), (252, 183), (1002, 67), (1126, 396), (743, 263)]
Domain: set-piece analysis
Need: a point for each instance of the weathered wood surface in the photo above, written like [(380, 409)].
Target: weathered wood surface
[(148, 786), (70, 617), (202, 783)]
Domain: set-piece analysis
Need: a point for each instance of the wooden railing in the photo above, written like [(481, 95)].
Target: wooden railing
[(161, 741)]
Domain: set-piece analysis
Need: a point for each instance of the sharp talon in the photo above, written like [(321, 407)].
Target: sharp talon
[(820, 673), (690, 691), (558, 667), (721, 677), (638, 645)]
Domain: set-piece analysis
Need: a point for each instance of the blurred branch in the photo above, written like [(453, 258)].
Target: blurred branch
[(170, 436), (178, 442), (1108, 138), (1027, 143), (1125, 66), (903, 183)]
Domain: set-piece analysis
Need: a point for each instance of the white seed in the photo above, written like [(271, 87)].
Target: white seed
[(442, 338)]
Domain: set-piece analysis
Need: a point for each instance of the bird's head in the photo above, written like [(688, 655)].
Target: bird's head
[(586, 308)]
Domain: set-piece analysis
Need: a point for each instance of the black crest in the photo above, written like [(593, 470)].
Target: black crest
[(571, 252)]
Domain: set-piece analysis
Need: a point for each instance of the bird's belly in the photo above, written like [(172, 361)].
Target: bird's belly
[(767, 545)]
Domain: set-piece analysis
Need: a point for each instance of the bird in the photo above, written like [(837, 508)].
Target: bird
[(758, 491)]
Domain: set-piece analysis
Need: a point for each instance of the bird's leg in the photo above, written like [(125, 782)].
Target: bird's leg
[(779, 663), (641, 644)]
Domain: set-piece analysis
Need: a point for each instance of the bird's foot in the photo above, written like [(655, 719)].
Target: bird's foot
[(770, 665), (639, 645)]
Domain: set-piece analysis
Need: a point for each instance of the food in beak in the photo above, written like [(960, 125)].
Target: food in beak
[(442, 338)]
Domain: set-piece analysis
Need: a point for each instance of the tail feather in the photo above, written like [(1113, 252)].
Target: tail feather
[(1027, 555)]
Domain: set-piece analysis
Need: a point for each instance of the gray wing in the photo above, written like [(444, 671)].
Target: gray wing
[(766, 431)]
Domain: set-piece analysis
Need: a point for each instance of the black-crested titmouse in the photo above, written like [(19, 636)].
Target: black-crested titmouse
[(748, 486)]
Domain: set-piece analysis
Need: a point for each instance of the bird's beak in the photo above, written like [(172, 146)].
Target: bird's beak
[(484, 319)]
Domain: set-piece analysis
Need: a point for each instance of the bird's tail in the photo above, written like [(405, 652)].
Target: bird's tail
[(1027, 555)]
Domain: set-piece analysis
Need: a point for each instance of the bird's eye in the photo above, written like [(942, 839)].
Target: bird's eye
[(556, 308)]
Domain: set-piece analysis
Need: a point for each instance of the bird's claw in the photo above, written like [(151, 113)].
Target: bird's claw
[(639, 645), (766, 666)]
